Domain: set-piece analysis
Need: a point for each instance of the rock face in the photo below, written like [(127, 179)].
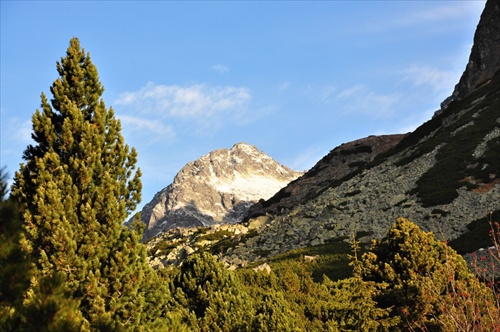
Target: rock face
[(484, 60), (217, 188), (341, 161)]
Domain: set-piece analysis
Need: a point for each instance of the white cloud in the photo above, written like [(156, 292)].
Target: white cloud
[(438, 79), (220, 68), (360, 99), (193, 101), (151, 126), (326, 92), (320, 93), (198, 108), (351, 91), (143, 132)]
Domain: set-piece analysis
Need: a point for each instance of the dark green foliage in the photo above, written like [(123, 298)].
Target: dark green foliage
[(211, 296), (49, 308), (15, 271), (164, 247), (350, 309), (421, 278), (332, 260), (224, 244), (215, 236)]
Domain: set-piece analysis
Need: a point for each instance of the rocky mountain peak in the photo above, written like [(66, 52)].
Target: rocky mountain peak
[(216, 188), (484, 59)]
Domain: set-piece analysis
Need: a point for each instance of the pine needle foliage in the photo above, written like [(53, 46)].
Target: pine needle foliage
[(421, 279), (77, 186)]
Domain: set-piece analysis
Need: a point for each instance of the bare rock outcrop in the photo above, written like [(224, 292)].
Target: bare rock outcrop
[(484, 59)]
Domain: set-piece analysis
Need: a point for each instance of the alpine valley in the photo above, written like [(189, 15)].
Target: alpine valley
[(444, 176)]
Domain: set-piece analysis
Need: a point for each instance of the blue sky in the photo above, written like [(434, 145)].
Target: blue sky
[(293, 78)]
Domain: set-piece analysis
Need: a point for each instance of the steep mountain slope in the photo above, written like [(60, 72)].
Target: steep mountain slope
[(216, 188), (340, 162)]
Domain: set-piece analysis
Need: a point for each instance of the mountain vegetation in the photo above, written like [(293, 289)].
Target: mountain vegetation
[(336, 260)]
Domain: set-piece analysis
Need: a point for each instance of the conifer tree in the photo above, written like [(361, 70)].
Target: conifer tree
[(421, 278), (211, 295), (77, 185)]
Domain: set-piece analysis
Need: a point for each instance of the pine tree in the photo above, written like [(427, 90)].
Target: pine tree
[(78, 184), (421, 279), (211, 295)]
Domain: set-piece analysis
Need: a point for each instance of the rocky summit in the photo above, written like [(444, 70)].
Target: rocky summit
[(216, 188)]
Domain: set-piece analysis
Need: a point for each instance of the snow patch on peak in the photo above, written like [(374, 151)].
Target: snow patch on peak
[(249, 187)]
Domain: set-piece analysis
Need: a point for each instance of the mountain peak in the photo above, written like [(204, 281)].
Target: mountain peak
[(216, 188), (244, 147), (484, 59)]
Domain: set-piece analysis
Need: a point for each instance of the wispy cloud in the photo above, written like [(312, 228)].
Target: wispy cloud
[(193, 101), (361, 99), (453, 10), (220, 68), (307, 158), (283, 86), (436, 78), (16, 130), (153, 129), (326, 92), (320, 93), (346, 93), (197, 108)]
